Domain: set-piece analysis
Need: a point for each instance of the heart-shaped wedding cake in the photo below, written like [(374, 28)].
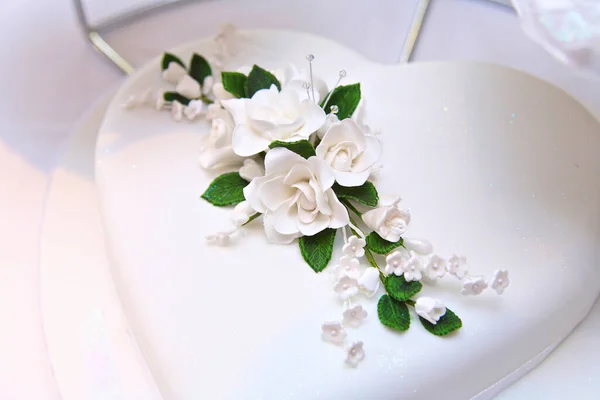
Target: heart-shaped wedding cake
[(261, 249)]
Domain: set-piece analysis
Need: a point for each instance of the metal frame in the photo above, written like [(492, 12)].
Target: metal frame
[(94, 33)]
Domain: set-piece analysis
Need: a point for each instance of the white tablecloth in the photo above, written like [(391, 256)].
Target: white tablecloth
[(50, 76)]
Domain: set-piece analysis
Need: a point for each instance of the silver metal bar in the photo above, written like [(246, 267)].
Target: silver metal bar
[(413, 33), (415, 29)]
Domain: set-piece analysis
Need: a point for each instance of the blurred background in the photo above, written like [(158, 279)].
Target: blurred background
[(51, 76)]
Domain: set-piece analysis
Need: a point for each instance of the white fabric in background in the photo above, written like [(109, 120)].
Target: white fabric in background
[(569, 29)]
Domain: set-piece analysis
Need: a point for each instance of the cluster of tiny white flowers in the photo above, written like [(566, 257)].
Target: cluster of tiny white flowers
[(416, 267), (350, 282), (186, 86), (194, 109)]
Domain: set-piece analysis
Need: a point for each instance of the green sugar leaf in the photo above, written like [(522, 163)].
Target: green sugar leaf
[(174, 96), (168, 58), (317, 249), (258, 79), (365, 194), (226, 190), (234, 83), (379, 245), (346, 98), (301, 147), (199, 68), (448, 323), (401, 290), (393, 314)]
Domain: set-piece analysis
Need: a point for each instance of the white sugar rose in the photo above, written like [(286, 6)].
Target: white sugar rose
[(389, 221), (350, 153), (215, 148), (272, 115), (295, 197), (293, 78)]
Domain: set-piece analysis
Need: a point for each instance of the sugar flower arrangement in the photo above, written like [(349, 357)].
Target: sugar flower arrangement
[(303, 160)]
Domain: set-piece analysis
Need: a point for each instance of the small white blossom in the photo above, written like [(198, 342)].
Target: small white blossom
[(174, 73), (177, 110), (241, 213), (500, 281), (474, 286), (218, 239), (436, 268), (355, 247), (355, 355), (354, 316), (188, 87), (369, 281), (193, 109), (430, 309), (457, 266), (396, 262), (413, 269), (346, 287), (348, 266), (160, 100), (251, 169), (333, 332)]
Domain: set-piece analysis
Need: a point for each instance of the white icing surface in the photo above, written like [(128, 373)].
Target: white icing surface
[(493, 163)]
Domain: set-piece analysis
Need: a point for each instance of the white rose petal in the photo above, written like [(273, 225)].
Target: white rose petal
[(349, 152), (215, 148), (174, 73), (430, 309), (251, 169), (271, 115), (188, 87), (295, 197), (330, 120), (242, 213), (390, 222), (473, 286), (354, 316), (369, 281), (500, 281), (292, 78)]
